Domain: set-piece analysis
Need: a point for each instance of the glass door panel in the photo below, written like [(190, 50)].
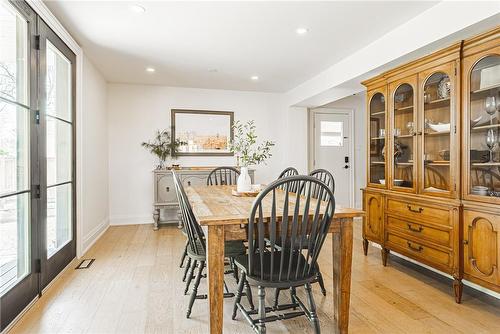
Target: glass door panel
[(377, 138), (403, 131), (485, 127), (58, 150), (437, 132)]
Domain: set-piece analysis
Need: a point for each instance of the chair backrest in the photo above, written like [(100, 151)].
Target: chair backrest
[(223, 176), (324, 176), (196, 237), (291, 220), (287, 172)]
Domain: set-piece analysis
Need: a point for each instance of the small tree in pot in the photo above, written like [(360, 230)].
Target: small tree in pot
[(247, 151), (163, 147)]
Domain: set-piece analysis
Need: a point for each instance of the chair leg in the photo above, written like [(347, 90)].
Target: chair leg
[(321, 283), (190, 276), (248, 293), (235, 269), (184, 254), (238, 295), (186, 269), (293, 294), (276, 296), (195, 288), (312, 310), (261, 326)]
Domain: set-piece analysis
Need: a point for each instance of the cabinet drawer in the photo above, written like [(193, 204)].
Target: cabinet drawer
[(421, 231), (417, 250), (194, 180), (418, 211)]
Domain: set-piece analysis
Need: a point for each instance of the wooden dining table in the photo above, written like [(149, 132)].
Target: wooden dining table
[(226, 216)]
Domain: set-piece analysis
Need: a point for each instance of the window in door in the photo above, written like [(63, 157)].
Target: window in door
[(332, 133)]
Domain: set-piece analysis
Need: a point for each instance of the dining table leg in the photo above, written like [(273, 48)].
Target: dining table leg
[(342, 263), (216, 277)]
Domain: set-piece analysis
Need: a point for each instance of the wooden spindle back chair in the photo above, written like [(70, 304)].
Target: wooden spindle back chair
[(221, 176), (289, 220), (287, 172), (324, 176)]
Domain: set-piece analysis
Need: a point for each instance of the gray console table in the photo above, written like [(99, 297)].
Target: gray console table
[(164, 191)]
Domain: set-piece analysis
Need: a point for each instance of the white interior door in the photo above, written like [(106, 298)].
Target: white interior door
[(332, 151)]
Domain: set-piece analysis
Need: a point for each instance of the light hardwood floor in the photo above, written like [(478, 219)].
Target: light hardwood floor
[(134, 286)]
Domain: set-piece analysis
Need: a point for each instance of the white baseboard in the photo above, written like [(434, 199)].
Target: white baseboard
[(131, 220), (94, 235)]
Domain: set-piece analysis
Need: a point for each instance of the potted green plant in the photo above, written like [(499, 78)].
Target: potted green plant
[(163, 147), (248, 151)]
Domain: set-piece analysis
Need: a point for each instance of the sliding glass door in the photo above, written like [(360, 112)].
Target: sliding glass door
[(37, 212)]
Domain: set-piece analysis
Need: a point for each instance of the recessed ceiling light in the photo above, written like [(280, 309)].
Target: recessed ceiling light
[(150, 70), (254, 77), (137, 8), (301, 31)]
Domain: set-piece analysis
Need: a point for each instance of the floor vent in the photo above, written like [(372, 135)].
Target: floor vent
[(85, 264)]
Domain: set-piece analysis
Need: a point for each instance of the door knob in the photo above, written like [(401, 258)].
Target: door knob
[(346, 166)]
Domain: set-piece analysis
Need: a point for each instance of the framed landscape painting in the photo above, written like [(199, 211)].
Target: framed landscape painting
[(204, 132)]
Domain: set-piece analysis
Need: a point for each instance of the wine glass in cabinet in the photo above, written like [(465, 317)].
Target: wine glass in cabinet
[(403, 133), (377, 130), (437, 107), (482, 123)]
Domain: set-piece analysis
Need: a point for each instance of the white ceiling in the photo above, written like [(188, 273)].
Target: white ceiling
[(184, 41)]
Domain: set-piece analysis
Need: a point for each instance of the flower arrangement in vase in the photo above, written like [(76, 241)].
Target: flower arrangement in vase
[(248, 151), (163, 147)]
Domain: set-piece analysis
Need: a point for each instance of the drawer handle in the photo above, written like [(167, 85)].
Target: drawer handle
[(410, 246), (419, 210), (168, 189), (411, 228)]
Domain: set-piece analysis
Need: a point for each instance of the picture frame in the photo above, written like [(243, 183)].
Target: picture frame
[(205, 132)]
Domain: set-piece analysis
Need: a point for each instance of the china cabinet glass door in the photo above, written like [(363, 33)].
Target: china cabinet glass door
[(377, 138), (403, 134), (484, 128), (438, 128)]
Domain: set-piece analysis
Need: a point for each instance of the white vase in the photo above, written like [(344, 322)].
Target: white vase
[(244, 182)]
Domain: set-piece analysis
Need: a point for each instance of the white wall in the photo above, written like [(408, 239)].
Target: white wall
[(94, 155), (136, 111), (295, 133), (358, 104)]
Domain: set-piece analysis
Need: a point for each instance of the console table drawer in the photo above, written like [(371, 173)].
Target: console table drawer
[(422, 231), (418, 250), (415, 210), (194, 180)]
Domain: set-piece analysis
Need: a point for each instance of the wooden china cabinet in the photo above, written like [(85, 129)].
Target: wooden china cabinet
[(481, 160), (433, 190)]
